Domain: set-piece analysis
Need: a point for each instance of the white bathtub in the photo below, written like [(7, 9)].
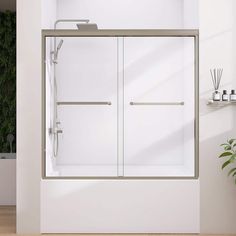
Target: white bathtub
[(7, 155), (7, 178)]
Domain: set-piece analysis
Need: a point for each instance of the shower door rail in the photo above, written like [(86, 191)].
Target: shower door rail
[(121, 34)]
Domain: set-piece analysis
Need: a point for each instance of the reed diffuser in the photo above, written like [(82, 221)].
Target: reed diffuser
[(216, 75)]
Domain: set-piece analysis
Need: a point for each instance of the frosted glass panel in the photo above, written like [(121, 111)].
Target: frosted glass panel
[(159, 106)]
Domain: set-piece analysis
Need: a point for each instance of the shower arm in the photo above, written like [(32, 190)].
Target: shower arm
[(67, 21)]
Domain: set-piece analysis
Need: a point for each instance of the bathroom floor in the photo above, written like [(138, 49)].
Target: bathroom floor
[(7, 220), (8, 225)]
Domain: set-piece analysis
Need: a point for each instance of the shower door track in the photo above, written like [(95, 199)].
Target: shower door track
[(121, 34)]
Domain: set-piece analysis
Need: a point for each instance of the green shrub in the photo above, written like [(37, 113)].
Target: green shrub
[(7, 79), (230, 155)]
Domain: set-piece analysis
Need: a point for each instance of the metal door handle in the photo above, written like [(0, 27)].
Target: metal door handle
[(83, 103), (157, 103)]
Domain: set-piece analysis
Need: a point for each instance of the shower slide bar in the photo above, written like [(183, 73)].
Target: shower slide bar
[(157, 103), (83, 103)]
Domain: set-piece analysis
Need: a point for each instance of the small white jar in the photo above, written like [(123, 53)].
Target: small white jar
[(232, 95), (216, 96), (225, 96)]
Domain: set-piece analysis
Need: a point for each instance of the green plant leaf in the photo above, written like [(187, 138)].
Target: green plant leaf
[(232, 171), (225, 164), (231, 141), (227, 148), (225, 154), (234, 174), (224, 144), (233, 158), (7, 79)]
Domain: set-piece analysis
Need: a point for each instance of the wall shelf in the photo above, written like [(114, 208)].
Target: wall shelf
[(220, 103)]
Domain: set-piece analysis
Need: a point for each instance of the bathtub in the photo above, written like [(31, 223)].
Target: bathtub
[(7, 155), (7, 178)]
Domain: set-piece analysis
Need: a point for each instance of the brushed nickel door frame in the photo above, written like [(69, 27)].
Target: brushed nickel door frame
[(193, 33)]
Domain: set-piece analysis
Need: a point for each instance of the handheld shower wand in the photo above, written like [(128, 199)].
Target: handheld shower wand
[(60, 44), (57, 50)]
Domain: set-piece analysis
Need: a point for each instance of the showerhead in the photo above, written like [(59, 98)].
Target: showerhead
[(87, 26)]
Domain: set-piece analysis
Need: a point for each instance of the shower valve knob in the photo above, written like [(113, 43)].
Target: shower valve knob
[(59, 131), (50, 130)]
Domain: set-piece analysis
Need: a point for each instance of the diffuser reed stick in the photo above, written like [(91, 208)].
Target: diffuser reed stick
[(216, 75)]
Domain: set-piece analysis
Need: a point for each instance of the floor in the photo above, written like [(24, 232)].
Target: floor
[(8, 225), (7, 219)]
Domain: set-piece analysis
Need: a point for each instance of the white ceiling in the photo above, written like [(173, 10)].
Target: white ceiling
[(7, 5)]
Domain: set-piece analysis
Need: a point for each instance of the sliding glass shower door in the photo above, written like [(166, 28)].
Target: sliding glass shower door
[(120, 104), (159, 106), (86, 105)]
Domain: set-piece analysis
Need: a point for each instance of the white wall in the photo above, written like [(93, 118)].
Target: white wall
[(217, 49), (191, 14), (49, 13), (125, 14), (29, 115)]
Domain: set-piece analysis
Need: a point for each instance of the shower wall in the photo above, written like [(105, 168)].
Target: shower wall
[(49, 121), (126, 14)]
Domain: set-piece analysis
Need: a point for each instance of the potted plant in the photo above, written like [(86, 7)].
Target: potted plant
[(230, 155)]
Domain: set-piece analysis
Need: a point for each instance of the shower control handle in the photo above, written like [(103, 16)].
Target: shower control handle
[(56, 131)]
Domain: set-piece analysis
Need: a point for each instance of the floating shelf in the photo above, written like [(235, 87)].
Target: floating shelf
[(220, 103)]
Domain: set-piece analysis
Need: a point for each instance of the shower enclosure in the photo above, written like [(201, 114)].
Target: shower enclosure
[(120, 104)]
